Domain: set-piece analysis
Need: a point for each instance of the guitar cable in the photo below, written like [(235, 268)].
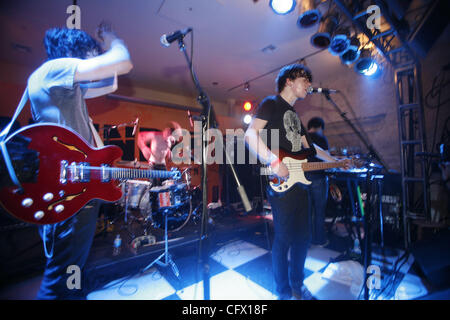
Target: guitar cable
[(262, 207), (44, 239)]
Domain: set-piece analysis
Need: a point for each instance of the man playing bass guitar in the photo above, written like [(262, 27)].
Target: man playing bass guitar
[(289, 208)]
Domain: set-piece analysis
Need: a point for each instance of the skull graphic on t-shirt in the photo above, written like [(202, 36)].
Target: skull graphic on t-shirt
[(293, 130)]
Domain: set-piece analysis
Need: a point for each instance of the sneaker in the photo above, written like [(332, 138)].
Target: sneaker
[(305, 294), (285, 296), (323, 245), (296, 296)]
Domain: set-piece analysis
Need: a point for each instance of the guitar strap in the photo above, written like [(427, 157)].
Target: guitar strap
[(98, 141), (4, 135)]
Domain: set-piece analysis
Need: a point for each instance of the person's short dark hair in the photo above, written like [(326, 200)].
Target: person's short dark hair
[(292, 72), (65, 43), (316, 122)]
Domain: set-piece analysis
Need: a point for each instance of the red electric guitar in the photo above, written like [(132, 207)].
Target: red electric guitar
[(71, 173)]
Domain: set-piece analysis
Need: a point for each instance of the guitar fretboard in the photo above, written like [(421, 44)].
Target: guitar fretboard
[(312, 166), (121, 173), (125, 173)]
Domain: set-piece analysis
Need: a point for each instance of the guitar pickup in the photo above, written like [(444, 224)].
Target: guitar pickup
[(79, 172), (106, 173), (63, 172)]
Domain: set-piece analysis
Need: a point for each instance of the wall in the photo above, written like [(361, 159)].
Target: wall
[(436, 89)]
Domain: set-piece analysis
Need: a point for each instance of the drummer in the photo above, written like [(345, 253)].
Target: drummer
[(156, 147)]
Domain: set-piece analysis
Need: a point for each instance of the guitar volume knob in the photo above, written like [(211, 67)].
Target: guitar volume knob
[(48, 196), (39, 215), (27, 202), (59, 208)]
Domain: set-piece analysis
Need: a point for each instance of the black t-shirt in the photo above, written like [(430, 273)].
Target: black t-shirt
[(280, 115)]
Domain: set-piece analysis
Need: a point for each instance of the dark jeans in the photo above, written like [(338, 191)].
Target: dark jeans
[(318, 195), (290, 219), (71, 241)]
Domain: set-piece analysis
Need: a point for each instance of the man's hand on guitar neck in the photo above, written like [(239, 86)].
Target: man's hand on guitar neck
[(346, 163)]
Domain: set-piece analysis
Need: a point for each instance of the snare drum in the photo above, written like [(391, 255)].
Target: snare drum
[(169, 196), (132, 193)]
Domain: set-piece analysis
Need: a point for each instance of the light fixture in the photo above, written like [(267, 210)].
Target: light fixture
[(339, 41), (308, 15), (248, 106), (322, 38), (366, 64), (247, 86), (247, 119), (282, 6), (373, 68), (352, 53)]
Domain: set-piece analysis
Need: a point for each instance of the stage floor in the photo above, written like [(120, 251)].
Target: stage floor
[(239, 263)]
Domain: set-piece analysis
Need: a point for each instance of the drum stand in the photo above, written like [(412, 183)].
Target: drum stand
[(126, 224), (168, 259)]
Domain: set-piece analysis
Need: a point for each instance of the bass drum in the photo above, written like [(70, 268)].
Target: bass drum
[(172, 200), (132, 192)]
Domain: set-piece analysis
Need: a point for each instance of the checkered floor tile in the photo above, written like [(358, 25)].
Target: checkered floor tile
[(243, 270)]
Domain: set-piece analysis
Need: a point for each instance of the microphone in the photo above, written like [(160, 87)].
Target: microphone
[(166, 40), (321, 90)]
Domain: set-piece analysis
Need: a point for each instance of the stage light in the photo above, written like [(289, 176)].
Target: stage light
[(352, 53), (308, 15), (282, 6), (366, 64), (247, 119), (339, 41), (248, 106), (322, 38), (373, 68)]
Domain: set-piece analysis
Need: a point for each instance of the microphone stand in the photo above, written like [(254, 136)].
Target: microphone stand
[(369, 180), (208, 120)]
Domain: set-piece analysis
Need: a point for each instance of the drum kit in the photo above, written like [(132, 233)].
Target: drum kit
[(149, 204), (170, 205), (177, 200)]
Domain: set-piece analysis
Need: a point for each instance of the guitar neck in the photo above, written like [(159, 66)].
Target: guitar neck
[(122, 173), (111, 173), (314, 166)]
